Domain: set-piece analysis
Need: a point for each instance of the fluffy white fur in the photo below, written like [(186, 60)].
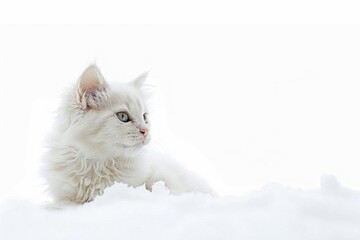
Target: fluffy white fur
[(92, 149)]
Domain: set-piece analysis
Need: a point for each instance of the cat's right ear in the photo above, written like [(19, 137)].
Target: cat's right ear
[(139, 81), (92, 91)]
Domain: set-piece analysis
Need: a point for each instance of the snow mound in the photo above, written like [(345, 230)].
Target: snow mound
[(274, 212)]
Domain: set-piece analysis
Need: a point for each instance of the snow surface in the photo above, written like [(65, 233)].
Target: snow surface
[(274, 212)]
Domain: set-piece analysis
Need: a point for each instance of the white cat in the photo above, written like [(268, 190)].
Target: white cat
[(99, 138)]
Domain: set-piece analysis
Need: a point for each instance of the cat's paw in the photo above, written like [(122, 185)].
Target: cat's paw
[(149, 186)]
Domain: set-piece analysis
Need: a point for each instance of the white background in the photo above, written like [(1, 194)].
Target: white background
[(262, 103)]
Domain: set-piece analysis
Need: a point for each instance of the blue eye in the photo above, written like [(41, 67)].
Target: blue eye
[(122, 117)]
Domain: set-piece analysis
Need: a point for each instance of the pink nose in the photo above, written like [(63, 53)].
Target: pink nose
[(144, 132)]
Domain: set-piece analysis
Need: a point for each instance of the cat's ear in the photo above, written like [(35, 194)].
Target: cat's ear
[(92, 90), (139, 81)]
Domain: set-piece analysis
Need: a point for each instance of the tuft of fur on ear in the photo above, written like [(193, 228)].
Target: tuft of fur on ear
[(139, 81), (93, 91)]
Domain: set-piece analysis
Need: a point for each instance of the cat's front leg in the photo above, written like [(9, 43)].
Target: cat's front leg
[(176, 177)]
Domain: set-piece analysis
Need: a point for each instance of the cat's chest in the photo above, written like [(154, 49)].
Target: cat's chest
[(92, 177), (99, 168)]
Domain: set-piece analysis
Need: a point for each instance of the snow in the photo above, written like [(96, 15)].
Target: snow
[(274, 212)]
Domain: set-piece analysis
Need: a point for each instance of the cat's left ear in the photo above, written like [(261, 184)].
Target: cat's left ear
[(93, 90), (139, 81)]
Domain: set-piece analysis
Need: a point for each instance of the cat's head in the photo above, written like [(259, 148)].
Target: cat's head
[(108, 120)]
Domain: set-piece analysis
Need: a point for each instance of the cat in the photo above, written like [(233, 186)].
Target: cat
[(100, 137)]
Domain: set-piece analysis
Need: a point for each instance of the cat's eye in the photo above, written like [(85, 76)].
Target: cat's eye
[(145, 117), (122, 117)]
